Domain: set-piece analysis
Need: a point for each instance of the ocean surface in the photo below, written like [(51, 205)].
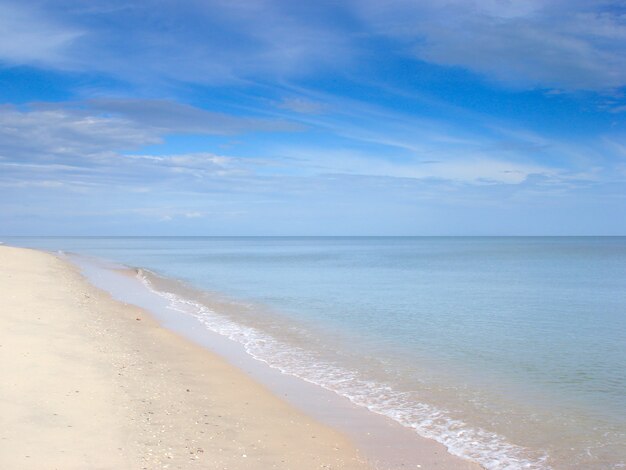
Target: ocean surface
[(510, 351)]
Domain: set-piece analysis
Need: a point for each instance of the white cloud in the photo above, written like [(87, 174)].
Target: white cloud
[(553, 44), (302, 105), (40, 134), (558, 44), (210, 41), (173, 117), (98, 128), (471, 168), (30, 37)]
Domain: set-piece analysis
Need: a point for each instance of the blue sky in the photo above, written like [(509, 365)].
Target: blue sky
[(359, 117)]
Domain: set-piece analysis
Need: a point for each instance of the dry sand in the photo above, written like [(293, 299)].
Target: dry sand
[(91, 383)]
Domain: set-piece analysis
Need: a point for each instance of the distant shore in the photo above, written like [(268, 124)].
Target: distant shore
[(89, 382)]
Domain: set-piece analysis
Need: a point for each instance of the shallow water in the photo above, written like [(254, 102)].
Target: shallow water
[(511, 351)]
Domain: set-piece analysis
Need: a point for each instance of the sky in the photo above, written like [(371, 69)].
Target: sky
[(275, 117)]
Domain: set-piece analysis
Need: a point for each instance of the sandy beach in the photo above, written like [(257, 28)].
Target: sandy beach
[(92, 383)]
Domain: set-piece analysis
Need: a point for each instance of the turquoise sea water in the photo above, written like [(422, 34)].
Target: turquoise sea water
[(510, 351)]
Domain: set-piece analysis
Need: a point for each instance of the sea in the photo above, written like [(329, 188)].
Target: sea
[(510, 351)]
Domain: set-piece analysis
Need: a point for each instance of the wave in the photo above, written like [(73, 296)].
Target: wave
[(490, 450)]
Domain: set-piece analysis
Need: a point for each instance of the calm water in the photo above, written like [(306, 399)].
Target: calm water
[(511, 351)]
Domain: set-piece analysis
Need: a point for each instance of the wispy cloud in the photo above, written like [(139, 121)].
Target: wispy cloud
[(96, 140), (302, 105), (59, 132), (345, 113), (172, 117), (93, 129), (29, 36), (210, 42), (553, 44)]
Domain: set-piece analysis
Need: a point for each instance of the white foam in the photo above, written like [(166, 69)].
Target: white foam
[(488, 449)]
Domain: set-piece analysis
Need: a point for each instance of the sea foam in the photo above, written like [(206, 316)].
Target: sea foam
[(488, 449)]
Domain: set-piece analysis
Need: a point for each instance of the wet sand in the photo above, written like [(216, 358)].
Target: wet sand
[(92, 382), (89, 382)]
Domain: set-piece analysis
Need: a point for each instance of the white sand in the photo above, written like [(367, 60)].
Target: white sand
[(90, 383)]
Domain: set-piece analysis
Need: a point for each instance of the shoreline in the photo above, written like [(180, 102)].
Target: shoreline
[(385, 443), (88, 385), (416, 449)]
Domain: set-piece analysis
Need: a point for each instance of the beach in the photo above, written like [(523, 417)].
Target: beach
[(427, 369), (299, 235), (93, 382), (89, 382)]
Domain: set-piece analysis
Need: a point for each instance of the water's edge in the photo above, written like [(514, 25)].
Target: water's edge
[(382, 441), (487, 449)]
